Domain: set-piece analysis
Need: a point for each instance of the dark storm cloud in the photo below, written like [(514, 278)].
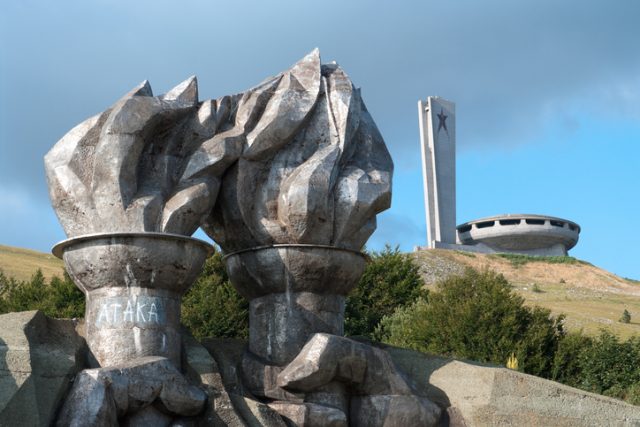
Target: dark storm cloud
[(510, 66)]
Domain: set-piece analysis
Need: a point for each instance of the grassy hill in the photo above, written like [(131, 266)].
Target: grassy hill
[(590, 297), (22, 263)]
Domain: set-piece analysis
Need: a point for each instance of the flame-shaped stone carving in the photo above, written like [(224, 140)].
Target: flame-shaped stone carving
[(125, 170), (287, 177), (313, 170)]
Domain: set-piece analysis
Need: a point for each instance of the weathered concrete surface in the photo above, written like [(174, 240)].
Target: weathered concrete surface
[(468, 394), (379, 394), (309, 414), (133, 283), (38, 359), (334, 380), (293, 213), (148, 163), (302, 144), (299, 160), (282, 323), (294, 291), (228, 354), (476, 395), (437, 120), (125, 394), (201, 368), (313, 168), (294, 268)]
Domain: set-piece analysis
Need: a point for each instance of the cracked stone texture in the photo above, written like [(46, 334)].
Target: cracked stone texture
[(133, 286), (125, 394), (309, 414), (296, 160), (223, 408), (39, 357), (227, 353), (139, 165), (314, 168), (479, 394), (302, 160), (294, 292), (379, 393)]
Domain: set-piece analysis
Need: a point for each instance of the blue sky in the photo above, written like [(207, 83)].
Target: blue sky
[(547, 96)]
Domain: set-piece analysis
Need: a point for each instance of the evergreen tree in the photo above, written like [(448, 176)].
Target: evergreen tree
[(626, 316), (212, 307), (390, 280)]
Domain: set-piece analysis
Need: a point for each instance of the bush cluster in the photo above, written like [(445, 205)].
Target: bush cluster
[(477, 316), (390, 281), (56, 297), (212, 307), (601, 364)]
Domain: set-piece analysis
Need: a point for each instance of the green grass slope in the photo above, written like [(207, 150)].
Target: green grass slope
[(590, 297), (22, 263)]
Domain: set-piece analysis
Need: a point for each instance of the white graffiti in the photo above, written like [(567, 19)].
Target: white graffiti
[(114, 311)]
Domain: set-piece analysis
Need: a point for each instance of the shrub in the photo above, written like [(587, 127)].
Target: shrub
[(390, 280), (57, 298), (602, 365), (632, 394), (407, 327), (67, 301), (608, 364), (567, 367), (212, 307), (477, 316), (626, 316), (539, 341)]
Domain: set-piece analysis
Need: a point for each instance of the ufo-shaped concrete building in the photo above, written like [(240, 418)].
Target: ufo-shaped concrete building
[(529, 234), (520, 233)]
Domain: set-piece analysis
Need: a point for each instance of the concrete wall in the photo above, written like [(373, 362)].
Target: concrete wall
[(481, 395)]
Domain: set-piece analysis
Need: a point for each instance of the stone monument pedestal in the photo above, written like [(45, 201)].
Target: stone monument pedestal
[(133, 283)]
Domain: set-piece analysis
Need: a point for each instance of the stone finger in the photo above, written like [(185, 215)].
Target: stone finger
[(310, 414)]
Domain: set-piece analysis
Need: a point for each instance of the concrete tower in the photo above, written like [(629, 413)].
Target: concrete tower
[(438, 143)]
